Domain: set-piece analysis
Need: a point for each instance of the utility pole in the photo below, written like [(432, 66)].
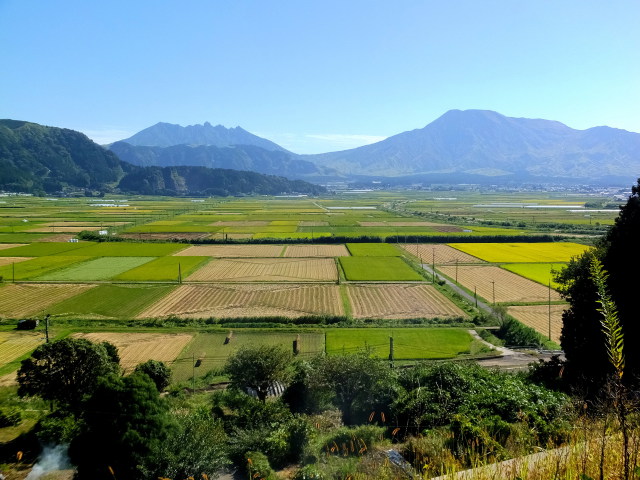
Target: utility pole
[(475, 295), (391, 351), (494, 291)]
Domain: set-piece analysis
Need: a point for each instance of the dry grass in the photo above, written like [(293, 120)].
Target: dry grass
[(509, 287), (316, 251), (400, 301), (136, 348), (203, 301), (267, 270), (232, 251)]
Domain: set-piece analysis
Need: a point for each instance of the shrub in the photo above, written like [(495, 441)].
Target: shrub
[(9, 417)]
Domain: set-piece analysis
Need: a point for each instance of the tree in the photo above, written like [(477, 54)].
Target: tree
[(358, 382), (583, 340), (65, 371), (124, 421), (259, 368), (157, 371)]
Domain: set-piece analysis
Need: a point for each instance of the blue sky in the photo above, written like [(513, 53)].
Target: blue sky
[(316, 76)]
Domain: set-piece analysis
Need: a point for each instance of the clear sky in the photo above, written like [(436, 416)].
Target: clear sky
[(316, 76)]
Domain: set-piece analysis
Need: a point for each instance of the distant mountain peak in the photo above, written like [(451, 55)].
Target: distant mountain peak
[(167, 135)]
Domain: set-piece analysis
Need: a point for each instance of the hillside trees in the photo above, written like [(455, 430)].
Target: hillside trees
[(582, 338)]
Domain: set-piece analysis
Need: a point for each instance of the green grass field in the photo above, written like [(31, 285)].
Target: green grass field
[(102, 268), (378, 269), (408, 343), (213, 353), (373, 250), (163, 269), (44, 249), (110, 301), (538, 272), (37, 267), (522, 252)]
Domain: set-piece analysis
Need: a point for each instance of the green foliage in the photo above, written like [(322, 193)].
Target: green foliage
[(258, 466), (58, 428), (9, 416), (125, 420), (157, 371), (348, 441), (65, 371), (259, 368), (373, 250)]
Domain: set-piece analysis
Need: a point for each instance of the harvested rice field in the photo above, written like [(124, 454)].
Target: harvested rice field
[(22, 300), (441, 254), (267, 270), (14, 345), (316, 251), (509, 287), (537, 317), (232, 251), (400, 301), (203, 301), (136, 348)]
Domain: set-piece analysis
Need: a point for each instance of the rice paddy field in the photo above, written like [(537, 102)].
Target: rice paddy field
[(163, 270)]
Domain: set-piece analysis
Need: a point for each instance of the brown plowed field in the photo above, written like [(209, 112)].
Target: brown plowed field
[(21, 300), (11, 245), (316, 251), (509, 287), (267, 270), (10, 260), (400, 301), (203, 301), (537, 317), (232, 251), (444, 254), (135, 348)]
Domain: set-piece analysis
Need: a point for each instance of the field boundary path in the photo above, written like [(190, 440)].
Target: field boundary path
[(463, 293)]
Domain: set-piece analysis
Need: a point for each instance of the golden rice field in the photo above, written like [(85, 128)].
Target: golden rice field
[(232, 251), (136, 348), (267, 270), (316, 251), (17, 343), (537, 317), (522, 252), (22, 300), (10, 260), (399, 301), (442, 254), (508, 287), (203, 301)]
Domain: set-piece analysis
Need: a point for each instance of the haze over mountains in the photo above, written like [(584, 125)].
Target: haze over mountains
[(461, 146)]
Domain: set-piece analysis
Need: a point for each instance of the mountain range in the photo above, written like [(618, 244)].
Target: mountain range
[(460, 146), (40, 159)]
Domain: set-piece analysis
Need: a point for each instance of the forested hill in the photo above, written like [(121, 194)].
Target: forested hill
[(186, 180), (36, 158), (40, 159)]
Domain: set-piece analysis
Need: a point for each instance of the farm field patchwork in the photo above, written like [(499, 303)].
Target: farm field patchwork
[(37, 267), (408, 343), (135, 348), (107, 249), (509, 287), (232, 251), (42, 249), (102, 268), (212, 352), (23, 300), (400, 301), (204, 301), (538, 272), (13, 345), (316, 251), (267, 270), (522, 252), (439, 254), (163, 269), (392, 269), (537, 317), (110, 301)]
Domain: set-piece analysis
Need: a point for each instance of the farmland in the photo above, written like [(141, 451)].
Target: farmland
[(163, 269), (203, 301), (439, 254), (316, 251), (537, 317), (409, 344), (538, 272), (101, 268), (521, 252), (37, 267), (267, 269), (232, 251), (400, 301), (13, 345), (373, 250), (392, 269), (19, 301)]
